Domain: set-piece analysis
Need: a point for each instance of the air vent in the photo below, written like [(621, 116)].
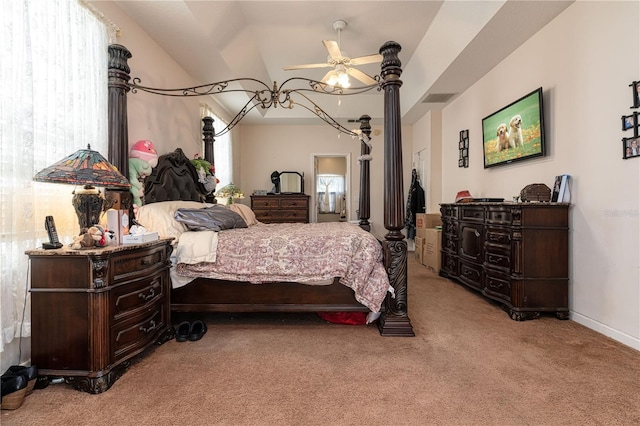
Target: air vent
[(437, 98)]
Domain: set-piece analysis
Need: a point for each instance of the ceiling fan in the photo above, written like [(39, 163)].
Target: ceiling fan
[(342, 64)]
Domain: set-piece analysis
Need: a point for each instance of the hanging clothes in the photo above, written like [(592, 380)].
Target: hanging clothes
[(415, 204)]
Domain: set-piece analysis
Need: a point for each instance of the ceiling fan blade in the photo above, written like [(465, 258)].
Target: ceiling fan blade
[(332, 48), (369, 59), (356, 73), (301, 67), (326, 76)]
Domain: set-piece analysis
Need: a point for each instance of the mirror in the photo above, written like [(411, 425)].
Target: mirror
[(287, 182)]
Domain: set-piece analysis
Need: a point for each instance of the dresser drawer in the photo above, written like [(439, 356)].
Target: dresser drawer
[(497, 284), (498, 236), (499, 215), (296, 203), (497, 258), (472, 213), (131, 297), (281, 215), (265, 202), (471, 274), (137, 264), (135, 334)]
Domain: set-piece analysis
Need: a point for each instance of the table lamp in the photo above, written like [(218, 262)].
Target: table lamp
[(90, 169)]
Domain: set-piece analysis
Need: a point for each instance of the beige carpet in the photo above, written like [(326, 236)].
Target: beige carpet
[(469, 364)]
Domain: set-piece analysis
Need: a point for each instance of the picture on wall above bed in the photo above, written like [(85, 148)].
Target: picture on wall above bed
[(515, 132)]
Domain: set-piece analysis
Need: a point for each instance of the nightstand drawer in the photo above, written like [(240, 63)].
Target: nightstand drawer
[(136, 264), (129, 298), (134, 335)]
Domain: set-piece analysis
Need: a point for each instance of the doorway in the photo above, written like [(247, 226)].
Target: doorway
[(330, 189)]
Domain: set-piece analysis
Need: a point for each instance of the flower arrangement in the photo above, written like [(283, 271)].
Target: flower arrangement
[(230, 192)]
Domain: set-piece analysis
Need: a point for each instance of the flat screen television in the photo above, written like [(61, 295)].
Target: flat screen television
[(515, 132)]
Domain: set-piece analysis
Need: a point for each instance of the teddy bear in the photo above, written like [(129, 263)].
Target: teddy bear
[(93, 237), (143, 157)]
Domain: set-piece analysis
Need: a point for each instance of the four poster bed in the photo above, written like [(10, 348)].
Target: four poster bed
[(174, 180)]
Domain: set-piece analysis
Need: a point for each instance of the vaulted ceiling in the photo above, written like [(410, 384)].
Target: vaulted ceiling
[(446, 45)]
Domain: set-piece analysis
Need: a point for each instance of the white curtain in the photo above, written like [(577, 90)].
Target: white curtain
[(53, 80), (223, 155), (330, 193)]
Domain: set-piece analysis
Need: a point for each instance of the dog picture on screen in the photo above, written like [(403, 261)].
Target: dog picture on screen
[(515, 132)]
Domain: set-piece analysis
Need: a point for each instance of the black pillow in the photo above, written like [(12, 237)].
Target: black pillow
[(214, 218)]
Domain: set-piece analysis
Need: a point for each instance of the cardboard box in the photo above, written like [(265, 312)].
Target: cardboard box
[(432, 247), (139, 238), (426, 221), (419, 249)]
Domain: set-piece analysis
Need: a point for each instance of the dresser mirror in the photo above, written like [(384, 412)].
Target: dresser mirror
[(288, 182)]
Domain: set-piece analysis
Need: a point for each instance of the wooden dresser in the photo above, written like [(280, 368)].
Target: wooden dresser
[(513, 253), (93, 310), (278, 208)]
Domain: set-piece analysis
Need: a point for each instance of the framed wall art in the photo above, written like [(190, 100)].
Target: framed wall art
[(635, 86), (463, 148), (630, 147)]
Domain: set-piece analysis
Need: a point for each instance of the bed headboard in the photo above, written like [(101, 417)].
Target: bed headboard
[(174, 178)]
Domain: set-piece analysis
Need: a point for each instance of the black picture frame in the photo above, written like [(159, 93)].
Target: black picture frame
[(635, 87), (463, 148), (630, 147)]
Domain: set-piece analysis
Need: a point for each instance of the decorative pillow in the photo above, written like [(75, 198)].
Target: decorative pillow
[(245, 211), (159, 217), (214, 218)]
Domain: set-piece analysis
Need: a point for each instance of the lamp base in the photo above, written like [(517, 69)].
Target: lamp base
[(88, 204)]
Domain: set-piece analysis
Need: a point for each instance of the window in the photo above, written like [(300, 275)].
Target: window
[(222, 148), (54, 102)]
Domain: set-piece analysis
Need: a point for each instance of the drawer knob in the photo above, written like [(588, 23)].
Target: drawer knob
[(152, 326), (145, 262), (145, 297)]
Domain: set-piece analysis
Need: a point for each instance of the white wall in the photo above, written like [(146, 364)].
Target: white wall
[(585, 60)]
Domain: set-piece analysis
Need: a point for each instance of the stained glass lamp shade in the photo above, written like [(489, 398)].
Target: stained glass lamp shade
[(90, 169)]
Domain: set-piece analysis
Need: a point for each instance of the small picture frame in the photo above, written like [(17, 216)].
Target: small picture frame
[(630, 147), (463, 147), (629, 121), (635, 86)]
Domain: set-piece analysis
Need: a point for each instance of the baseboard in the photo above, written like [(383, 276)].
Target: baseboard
[(616, 335)]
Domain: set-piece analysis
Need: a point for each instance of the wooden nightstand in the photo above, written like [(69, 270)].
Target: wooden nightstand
[(93, 310)]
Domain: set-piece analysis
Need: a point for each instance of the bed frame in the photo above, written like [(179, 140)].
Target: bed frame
[(206, 295)]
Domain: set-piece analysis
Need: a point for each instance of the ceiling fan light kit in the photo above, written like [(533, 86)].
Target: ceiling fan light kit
[(342, 64)]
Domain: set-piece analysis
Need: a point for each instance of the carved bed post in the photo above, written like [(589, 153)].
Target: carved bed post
[(118, 88), (207, 135), (395, 319), (364, 211)]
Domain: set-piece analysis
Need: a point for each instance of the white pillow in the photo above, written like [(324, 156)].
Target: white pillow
[(245, 211), (159, 217)]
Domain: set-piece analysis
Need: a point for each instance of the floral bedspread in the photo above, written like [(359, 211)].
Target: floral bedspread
[(307, 253)]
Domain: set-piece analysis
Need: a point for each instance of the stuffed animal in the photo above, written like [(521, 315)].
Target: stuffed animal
[(138, 169), (93, 237), (142, 159)]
